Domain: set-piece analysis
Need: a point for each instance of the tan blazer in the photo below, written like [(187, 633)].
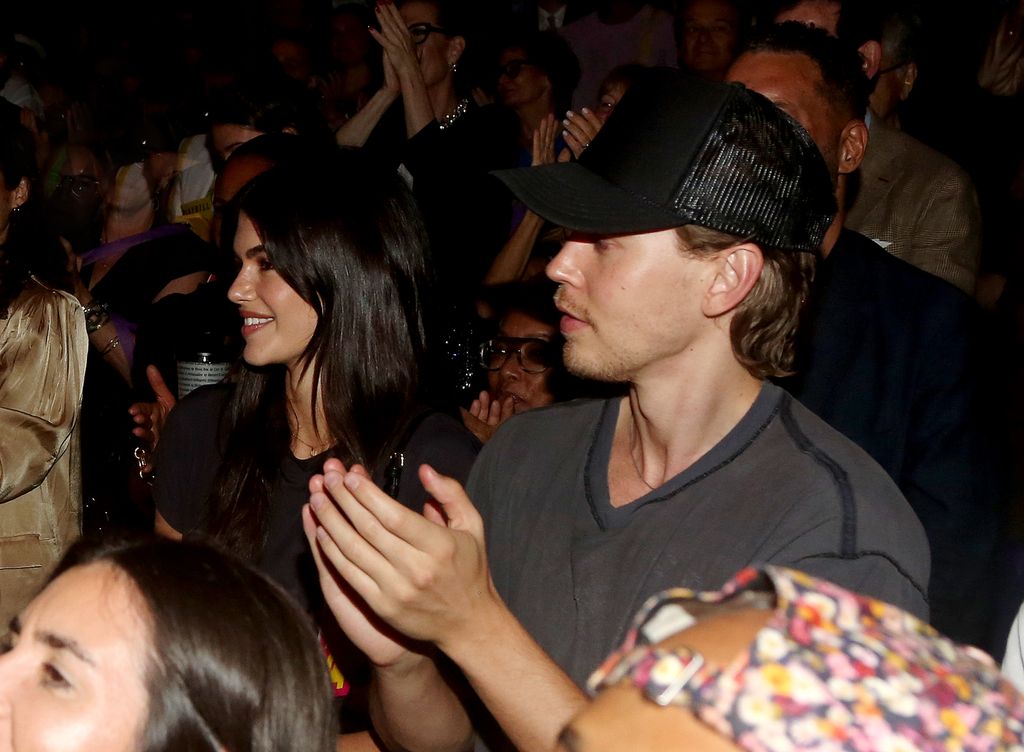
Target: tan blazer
[(43, 351), (920, 204)]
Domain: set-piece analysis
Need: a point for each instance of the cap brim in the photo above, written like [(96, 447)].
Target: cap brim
[(571, 196)]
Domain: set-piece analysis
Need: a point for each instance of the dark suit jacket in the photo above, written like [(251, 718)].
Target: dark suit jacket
[(885, 358), (921, 203)]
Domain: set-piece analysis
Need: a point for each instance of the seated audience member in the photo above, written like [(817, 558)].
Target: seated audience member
[(709, 34), (618, 32), (238, 113), (614, 86), (331, 275), (887, 354), (137, 265), (166, 646), (442, 143), (523, 360), (913, 201), (902, 28), (43, 350), (684, 277), (533, 243), (206, 311), (536, 78), (778, 660), (75, 208)]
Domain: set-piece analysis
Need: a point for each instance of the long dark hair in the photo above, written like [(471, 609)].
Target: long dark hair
[(28, 250), (347, 237), (234, 664)]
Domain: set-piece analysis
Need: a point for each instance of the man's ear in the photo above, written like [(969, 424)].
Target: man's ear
[(737, 271), (853, 142), (871, 55), (909, 78)]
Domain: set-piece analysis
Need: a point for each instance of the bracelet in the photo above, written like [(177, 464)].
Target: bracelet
[(96, 316), (112, 344)]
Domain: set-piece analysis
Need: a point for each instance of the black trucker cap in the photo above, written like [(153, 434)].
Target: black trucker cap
[(680, 150)]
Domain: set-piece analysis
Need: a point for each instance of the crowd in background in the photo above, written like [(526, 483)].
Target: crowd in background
[(167, 169)]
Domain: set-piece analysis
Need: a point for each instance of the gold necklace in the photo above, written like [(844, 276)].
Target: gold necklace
[(313, 450)]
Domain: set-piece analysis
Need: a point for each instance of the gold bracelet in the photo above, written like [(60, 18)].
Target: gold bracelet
[(112, 344)]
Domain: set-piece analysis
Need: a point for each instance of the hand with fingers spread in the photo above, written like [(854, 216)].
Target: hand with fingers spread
[(150, 417), (426, 576), (580, 129), (544, 142), (485, 415)]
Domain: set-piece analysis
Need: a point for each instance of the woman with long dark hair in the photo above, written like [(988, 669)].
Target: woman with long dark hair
[(43, 350), (152, 646), (330, 290)]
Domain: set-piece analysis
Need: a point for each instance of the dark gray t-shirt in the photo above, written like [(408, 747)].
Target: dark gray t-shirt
[(782, 488)]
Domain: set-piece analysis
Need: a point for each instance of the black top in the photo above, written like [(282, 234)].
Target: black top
[(191, 449), (467, 211), (886, 358), (146, 269)]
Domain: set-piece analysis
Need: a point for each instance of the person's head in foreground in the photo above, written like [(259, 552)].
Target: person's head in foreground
[(779, 660), (696, 216), (153, 645)]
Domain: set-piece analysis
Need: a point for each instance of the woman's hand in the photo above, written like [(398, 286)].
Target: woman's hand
[(381, 643), (544, 142), (485, 415), (580, 129), (399, 49)]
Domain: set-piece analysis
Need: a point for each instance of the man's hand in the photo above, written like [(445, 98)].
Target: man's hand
[(425, 576), (150, 417)]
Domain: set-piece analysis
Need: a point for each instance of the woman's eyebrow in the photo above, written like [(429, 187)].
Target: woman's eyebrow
[(255, 251), (60, 642), (55, 641)]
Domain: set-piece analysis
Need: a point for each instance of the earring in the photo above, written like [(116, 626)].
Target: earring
[(453, 67)]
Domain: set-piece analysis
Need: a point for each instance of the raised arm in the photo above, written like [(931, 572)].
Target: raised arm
[(427, 577)]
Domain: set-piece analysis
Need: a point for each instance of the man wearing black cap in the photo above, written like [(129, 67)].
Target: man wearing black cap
[(695, 216)]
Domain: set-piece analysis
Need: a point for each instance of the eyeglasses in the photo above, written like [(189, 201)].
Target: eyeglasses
[(534, 355), (512, 68), (79, 185), (421, 32)]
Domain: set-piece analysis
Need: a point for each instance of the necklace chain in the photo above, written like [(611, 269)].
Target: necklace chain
[(460, 109), (313, 450)]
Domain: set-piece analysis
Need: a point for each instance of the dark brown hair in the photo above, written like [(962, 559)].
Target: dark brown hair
[(233, 663), (348, 238), (764, 326)]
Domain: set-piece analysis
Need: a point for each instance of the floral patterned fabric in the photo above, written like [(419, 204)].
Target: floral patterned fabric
[(831, 670)]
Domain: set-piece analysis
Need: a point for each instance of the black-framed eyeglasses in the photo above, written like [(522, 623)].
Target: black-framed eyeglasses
[(421, 32), (534, 355), (513, 68)]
